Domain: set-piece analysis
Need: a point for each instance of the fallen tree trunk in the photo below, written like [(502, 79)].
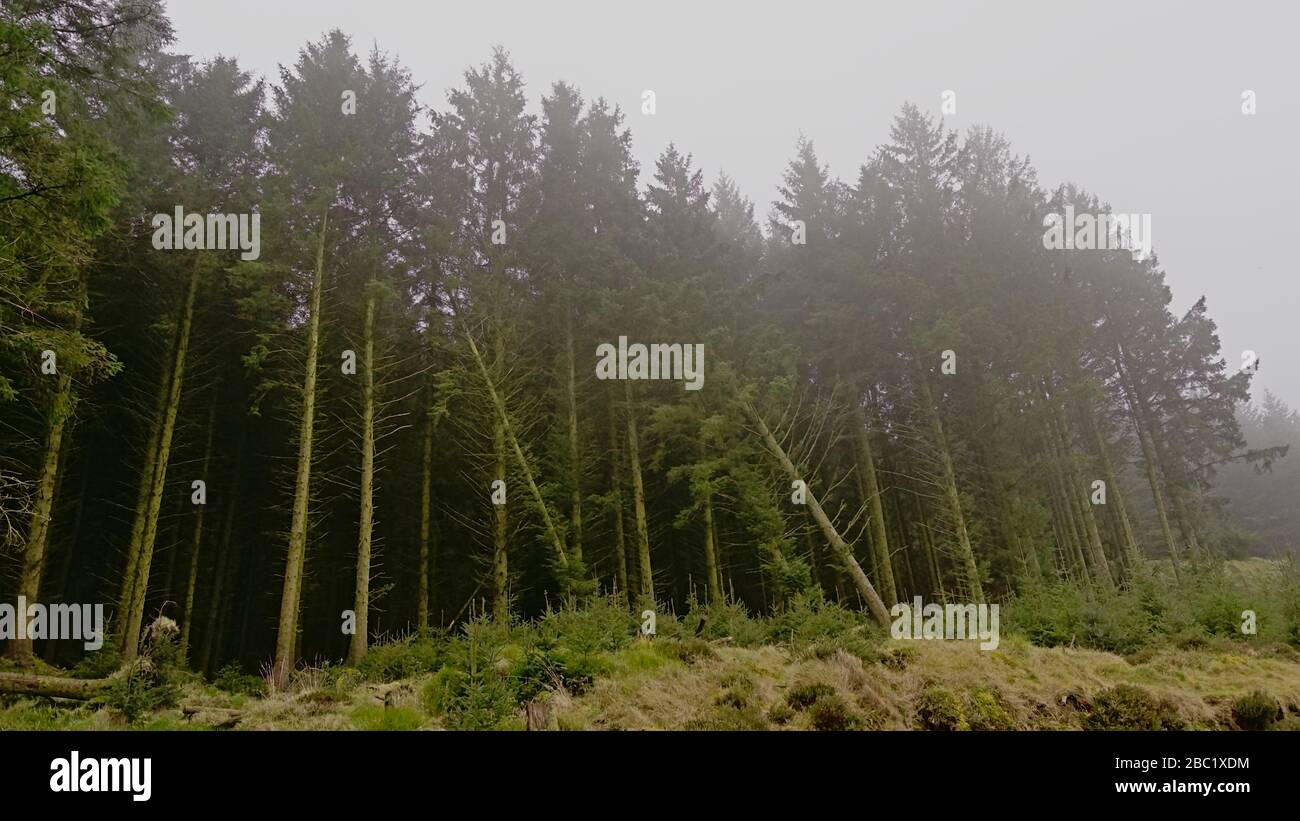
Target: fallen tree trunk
[(225, 717), (841, 548), (51, 686)]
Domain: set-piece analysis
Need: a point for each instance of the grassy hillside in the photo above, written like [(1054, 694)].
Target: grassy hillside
[(1155, 656)]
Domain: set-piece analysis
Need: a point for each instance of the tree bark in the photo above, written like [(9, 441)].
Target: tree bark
[(426, 499), (711, 553), (616, 485), (140, 586), (29, 583), (638, 500), (575, 449), (361, 602), (879, 533), (291, 596), (965, 552), (187, 623)]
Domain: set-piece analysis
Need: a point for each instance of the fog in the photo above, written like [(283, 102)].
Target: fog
[(1139, 103)]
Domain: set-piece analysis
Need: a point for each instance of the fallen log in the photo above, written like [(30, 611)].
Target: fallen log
[(51, 686), (227, 717)]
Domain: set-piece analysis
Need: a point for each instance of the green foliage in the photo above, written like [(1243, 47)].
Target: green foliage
[(940, 709), (780, 713), (728, 717), (737, 690), (1205, 606), (802, 696), (405, 658), (231, 679), (1127, 707), (140, 690), (100, 664), (725, 620), (810, 624), (832, 713), (690, 650), (987, 711), (1256, 711), (382, 717)]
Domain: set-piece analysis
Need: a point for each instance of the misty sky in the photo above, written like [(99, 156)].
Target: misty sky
[(1139, 102)]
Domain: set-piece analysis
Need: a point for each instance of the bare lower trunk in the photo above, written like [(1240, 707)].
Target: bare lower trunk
[(879, 533), (638, 500), (38, 534), (616, 484), (187, 623), (361, 603), (711, 554), (575, 450), (965, 552), (135, 615), (291, 597), (426, 498)]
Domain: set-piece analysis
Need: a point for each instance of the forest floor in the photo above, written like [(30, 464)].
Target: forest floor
[(1175, 659)]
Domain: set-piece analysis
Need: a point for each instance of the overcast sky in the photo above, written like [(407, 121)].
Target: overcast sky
[(1137, 101)]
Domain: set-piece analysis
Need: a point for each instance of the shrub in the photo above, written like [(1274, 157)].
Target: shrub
[(1256, 711), (723, 620), (231, 679), (736, 690), (780, 713), (547, 665), (987, 711), (603, 625), (832, 713), (404, 658), (803, 696), (940, 709), (100, 663), (748, 717), (810, 625), (1126, 707), (440, 691), (140, 690), (691, 650), (151, 681)]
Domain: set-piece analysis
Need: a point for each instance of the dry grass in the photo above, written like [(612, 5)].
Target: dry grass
[(1017, 686)]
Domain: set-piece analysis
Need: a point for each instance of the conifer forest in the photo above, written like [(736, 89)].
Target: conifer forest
[(331, 400)]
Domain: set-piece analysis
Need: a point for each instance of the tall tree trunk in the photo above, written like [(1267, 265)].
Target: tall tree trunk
[(1149, 458), (575, 450), (291, 597), (187, 623), (638, 500), (1115, 496), (1097, 552), (965, 552), (710, 553), (143, 490), (879, 534), (224, 566), (558, 551), (616, 491), (361, 603), (843, 553), (426, 499), (38, 534), (135, 615), (500, 567), (1173, 488)]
